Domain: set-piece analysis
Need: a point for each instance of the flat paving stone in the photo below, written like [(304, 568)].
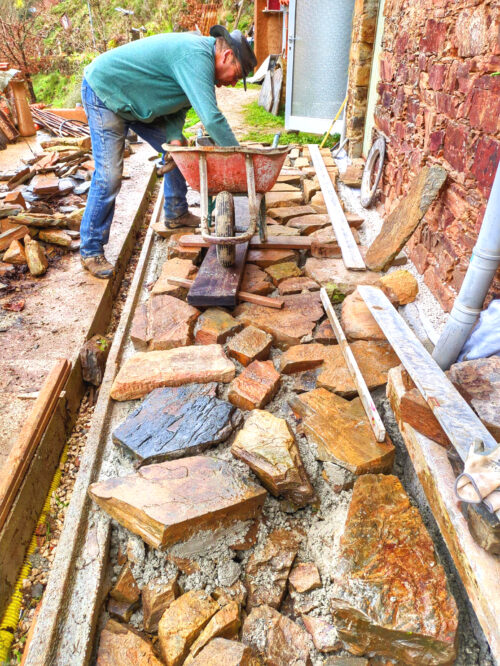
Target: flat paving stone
[(328, 271), (175, 422), (163, 322), (222, 651), (341, 432), (157, 596), (169, 502), (255, 386), (226, 622), (283, 199), (180, 268), (404, 611), (308, 224), (215, 326), (283, 214), (267, 445), (282, 230), (264, 258), (251, 344), (283, 271), (256, 281), (146, 371), (357, 321), (296, 285), (122, 644), (324, 334), (303, 357)]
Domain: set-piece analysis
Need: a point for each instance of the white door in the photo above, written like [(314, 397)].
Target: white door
[(318, 59)]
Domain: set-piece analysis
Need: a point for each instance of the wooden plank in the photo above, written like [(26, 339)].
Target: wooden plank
[(24, 449), (358, 379), (350, 251), (478, 570), (216, 285), (272, 243), (276, 303)]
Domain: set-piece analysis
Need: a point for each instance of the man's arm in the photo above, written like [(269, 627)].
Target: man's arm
[(196, 77)]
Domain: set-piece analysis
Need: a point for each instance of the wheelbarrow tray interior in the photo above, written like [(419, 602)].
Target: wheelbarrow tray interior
[(226, 168)]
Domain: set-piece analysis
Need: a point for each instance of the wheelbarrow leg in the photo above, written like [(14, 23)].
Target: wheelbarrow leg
[(262, 220), (204, 207)]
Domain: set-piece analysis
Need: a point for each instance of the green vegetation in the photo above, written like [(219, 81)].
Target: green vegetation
[(262, 123), (57, 89)]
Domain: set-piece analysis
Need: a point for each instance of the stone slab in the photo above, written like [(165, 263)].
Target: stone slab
[(221, 651), (388, 557), (303, 357), (249, 345), (324, 334), (264, 258), (256, 281), (327, 271), (225, 624), (357, 321), (175, 422), (163, 322), (277, 229), (180, 268), (341, 432), (146, 371), (122, 644), (255, 386), (404, 219), (308, 224), (283, 271), (215, 325), (267, 445), (157, 596), (283, 199), (169, 502), (295, 285), (283, 214)]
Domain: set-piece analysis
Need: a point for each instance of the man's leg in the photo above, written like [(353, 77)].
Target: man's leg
[(107, 131), (174, 183)]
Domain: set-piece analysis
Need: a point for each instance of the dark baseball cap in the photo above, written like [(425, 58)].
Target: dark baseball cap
[(239, 46)]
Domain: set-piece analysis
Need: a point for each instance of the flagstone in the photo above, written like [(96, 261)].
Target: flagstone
[(388, 557), (401, 286), (125, 588), (224, 624), (122, 644), (324, 334), (328, 271), (324, 634), (287, 326), (256, 281), (280, 272), (308, 224), (264, 258), (303, 357), (281, 186), (15, 254), (175, 422), (341, 432), (255, 386), (304, 577), (295, 285), (35, 256), (175, 249), (357, 321), (267, 445), (223, 652), (311, 186), (283, 199), (251, 344), (157, 596), (283, 214), (282, 230), (169, 502), (305, 381), (180, 268), (163, 322), (215, 325), (55, 236), (146, 371)]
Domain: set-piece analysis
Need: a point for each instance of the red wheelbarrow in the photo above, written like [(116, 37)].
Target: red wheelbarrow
[(222, 172)]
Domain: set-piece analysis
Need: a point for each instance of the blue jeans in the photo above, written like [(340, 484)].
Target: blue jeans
[(108, 132)]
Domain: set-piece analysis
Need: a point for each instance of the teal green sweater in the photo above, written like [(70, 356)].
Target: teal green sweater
[(162, 76)]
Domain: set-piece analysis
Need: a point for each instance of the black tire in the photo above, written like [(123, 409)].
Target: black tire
[(224, 226), (372, 172)]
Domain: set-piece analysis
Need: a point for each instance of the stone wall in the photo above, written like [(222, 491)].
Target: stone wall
[(360, 61), (439, 103)]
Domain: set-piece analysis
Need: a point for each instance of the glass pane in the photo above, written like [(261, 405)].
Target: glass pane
[(321, 56)]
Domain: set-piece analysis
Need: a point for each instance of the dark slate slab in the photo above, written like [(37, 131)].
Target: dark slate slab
[(175, 422)]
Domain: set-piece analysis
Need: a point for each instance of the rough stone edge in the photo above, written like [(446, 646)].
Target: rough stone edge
[(83, 545), (476, 569)]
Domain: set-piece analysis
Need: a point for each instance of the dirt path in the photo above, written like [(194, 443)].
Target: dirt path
[(231, 102)]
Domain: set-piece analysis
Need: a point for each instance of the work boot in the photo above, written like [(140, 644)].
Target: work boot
[(98, 266), (186, 220)]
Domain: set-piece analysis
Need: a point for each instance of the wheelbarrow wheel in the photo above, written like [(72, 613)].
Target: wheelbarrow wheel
[(224, 226)]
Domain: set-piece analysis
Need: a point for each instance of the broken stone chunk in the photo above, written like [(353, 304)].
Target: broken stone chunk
[(267, 570), (144, 372), (267, 445), (341, 432), (338, 478), (255, 281), (121, 610), (163, 322), (374, 359), (324, 334), (180, 268), (275, 638), (224, 624), (55, 236), (222, 652), (280, 272), (226, 595), (281, 230), (283, 199), (157, 596), (308, 224), (295, 285), (311, 186), (35, 256), (176, 422), (326, 271), (347, 661), (93, 356), (414, 410), (401, 287), (170, 502), (352, 175), (174, 247), (305, 577), (388, 557), (303, 357), (404, 219), (283, 214), (287, 326), (357, 321), (324, 634), (215, 326), (182, 622), (305, 381), (15, 254), (121, 644), (250, 345), (126, 588), (255, 386), (264, 258)]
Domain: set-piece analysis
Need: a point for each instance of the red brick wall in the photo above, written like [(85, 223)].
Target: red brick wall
[(439, 104)]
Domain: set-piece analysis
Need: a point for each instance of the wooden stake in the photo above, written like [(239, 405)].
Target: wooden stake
[(357, 377), (267, 302)]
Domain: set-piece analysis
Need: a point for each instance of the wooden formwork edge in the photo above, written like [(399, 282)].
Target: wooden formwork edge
[(47, 632)]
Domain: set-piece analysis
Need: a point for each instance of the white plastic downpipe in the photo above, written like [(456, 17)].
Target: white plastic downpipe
[(482, 268)]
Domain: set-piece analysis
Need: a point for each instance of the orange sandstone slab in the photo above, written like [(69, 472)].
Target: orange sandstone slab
[(180, 268), (215, 326), (146, 371), (223, 652), (121, 644), (169, 502), (163, 322), (295, 285), (256, 281), (255, 386), (249, 345), (264, 258)]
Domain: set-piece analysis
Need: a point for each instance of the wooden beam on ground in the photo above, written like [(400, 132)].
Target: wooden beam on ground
[(246, 296), (358, 379), (456, 417), (478, 570), (24, 449), (350, 252), (272, 243), (216, 285)]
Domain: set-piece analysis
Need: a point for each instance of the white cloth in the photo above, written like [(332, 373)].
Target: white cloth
[(485, 338)]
